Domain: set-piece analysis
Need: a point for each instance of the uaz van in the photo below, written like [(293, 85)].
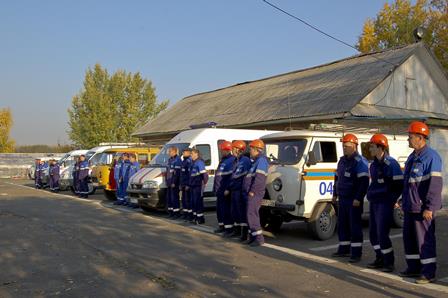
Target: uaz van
[(301, 176)]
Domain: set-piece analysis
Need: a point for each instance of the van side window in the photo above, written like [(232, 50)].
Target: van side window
[(143, 159), (325, 151), (205, 153)]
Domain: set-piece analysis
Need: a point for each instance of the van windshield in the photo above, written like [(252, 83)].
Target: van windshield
[(161, 159), (287, 152)]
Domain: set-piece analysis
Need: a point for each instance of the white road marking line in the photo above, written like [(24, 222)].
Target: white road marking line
[(3, 194), (334, 246), (300, 254), (431, 286)]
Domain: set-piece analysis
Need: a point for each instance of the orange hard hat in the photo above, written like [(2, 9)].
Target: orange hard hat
[(379, 139), (225, 146), (239, 145), (419, 128), (257, 144), (349, 138)]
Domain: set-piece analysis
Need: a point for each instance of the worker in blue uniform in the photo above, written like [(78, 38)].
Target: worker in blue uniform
[(173, 171), (134, 167), (241, 166), (350, 187), (384, 190), (421, 199), (198, 181), (54, 175), (187, 212), (254, 188), (83, 177), (222, 179)]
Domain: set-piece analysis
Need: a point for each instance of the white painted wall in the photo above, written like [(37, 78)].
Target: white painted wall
[(409, 87)]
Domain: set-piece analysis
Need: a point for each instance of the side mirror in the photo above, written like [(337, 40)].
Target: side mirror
[(311, 160)]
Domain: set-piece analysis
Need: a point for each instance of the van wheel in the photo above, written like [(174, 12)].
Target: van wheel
[(110, 195), (322, 223), (92, 189), (270, 222), (398, 216)]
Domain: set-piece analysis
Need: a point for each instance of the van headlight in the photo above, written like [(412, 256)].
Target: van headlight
[(277, 184), (150, 184)]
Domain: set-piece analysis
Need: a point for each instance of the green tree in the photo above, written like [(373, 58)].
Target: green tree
[(110, 107), (394, 24), (6, 143)]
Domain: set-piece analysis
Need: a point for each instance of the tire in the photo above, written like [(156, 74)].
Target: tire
[(92, 189), (398, 216), (322, 223), (110, 195), (270, 222)]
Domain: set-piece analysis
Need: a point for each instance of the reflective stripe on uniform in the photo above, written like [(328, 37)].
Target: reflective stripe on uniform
[(376, 247), (356, 244), (428, 261), (342, 243), (419, 179), (228, 226), (398, 177), (200, 214), (387, 250), (257, 233), (412, 257), (363, 174), (262, 172)]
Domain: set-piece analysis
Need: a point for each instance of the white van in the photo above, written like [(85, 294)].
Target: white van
[(147, 187), (301, 176), (65, 162), (92, 156)]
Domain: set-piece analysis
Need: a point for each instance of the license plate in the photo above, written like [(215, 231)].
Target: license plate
[(268, 203), (134, 201)]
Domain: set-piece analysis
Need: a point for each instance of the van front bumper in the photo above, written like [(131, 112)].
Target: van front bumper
[(148, 198), (277, 205)]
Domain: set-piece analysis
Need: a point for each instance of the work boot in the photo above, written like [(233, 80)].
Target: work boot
[(219, 230), (256, 243), (388, 268), (228, 233), (236, 232), (408, 273), (354, 260), (378, 263), (340, 255), (244, 234), (423, 280)]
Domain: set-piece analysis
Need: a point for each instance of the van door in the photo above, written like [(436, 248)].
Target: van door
[(318, 178)]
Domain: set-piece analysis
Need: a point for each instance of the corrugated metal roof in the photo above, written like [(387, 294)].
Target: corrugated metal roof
[(390, 113), (332, 88)]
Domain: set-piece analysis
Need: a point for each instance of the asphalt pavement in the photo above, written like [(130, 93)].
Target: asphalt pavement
[(61, 245)]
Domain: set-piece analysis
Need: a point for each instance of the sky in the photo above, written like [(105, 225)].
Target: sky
[(183, 47)]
